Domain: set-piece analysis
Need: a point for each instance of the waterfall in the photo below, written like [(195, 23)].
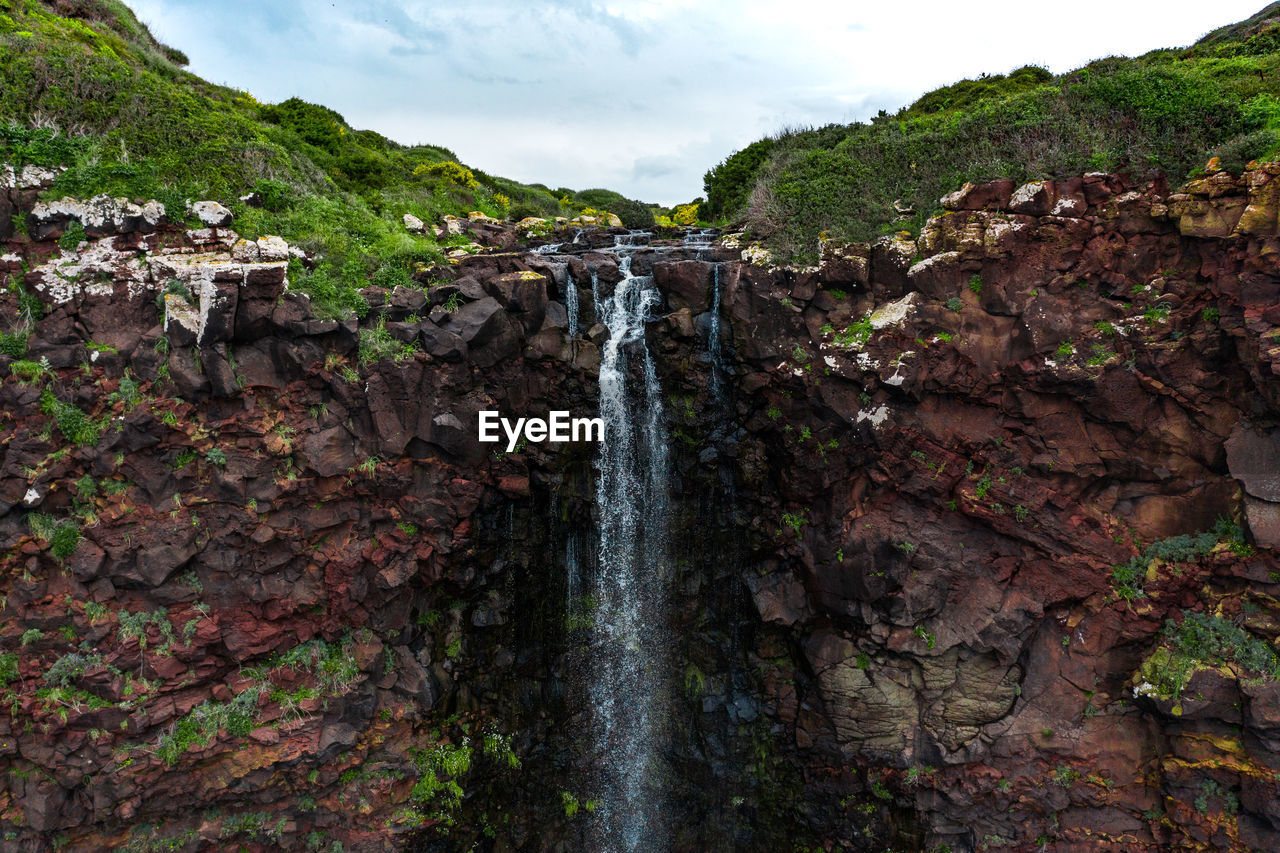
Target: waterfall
[(571, 302), (629, 672), (595, 295), (713, 335)]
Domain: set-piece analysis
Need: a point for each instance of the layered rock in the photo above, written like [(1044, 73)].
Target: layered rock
[(925, 541)]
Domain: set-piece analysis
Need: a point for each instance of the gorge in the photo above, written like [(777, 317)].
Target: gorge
[(871, 593), (354, 500)]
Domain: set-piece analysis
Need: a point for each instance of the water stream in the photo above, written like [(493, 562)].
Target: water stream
[(571, 301), (629, 676)]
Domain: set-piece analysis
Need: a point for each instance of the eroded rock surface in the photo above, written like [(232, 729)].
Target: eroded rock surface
[(302, 584)]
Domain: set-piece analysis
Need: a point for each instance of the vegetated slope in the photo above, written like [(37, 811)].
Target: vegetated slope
[(84, 84), (1168, 110)]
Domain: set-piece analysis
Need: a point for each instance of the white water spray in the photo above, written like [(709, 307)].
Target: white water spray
[(629, 648)]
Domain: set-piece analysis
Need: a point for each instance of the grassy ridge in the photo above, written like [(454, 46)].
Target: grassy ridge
[(84, 84), (1168, 110)]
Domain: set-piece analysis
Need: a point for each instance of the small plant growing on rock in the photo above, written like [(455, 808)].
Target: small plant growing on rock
[(984, 486), (67, 669), (1101, 355), (8, 668), (14, 343), (929, 639), (72, 237), (29, 372), (128, 392), (1210, 315), (200, 727), (216, 456), (63, 537), (74, 424), (376, 344), (795, 521), (857, 334), (955, 304), (975, 283), (1064, 351), (1065, 775)]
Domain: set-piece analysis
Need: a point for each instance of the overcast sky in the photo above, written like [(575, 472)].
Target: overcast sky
[(643, 96)]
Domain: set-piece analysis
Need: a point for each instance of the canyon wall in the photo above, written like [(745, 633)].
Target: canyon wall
[(932, 515)]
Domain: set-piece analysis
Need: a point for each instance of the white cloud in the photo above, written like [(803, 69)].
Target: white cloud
[(641, 96)]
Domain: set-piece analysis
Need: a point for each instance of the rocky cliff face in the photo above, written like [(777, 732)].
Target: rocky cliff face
[(972, 535)]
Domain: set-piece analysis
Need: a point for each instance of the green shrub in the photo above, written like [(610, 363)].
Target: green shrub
[(128, 392), (72, 237), (14, 343), (8, 668), (1215, 640), (67, 669), (62, 537), (1167, 110), (1129, 578), (74, 424)]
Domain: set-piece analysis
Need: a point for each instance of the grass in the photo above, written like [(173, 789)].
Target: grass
[(93, 91), (63, 537), (1168, 109), (202, 725)]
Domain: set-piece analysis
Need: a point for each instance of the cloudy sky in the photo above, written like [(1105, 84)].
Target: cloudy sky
[(643, 96)]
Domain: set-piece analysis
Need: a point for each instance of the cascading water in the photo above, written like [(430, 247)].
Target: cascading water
[(571, 302), (713, 338), (629, 666), (595, 295)]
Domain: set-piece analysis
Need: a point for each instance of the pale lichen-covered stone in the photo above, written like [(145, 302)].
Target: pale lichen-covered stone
[(31, 177), (212, 214), (100, 216), (94, 271)]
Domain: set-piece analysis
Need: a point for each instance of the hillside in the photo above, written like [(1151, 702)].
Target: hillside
[(1169, 110), (85, 85)]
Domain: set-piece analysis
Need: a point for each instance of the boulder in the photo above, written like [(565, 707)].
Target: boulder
[(211, 214)]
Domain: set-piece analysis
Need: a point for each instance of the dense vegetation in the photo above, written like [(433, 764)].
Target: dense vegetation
[(83, 84), (1168, 110)]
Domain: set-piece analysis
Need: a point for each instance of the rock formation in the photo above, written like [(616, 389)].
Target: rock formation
[(972, 552)]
